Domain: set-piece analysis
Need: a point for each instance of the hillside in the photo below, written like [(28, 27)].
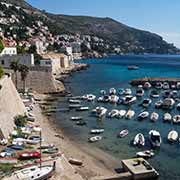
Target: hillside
[(112, 36)]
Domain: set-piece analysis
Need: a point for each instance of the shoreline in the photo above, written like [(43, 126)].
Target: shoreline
[(96, 162)]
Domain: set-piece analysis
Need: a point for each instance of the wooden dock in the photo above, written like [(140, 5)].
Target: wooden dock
[(153, 81)]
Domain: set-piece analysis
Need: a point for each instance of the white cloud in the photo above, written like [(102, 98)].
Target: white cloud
[(171, 37)]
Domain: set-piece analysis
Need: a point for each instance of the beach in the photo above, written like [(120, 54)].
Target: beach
[(95, 162)]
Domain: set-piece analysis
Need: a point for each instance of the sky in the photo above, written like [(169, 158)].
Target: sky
[(158, 16)]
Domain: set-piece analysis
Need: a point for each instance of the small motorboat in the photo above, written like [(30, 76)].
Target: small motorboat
[(16, 147), (154, 116), (91, 97), (122, 113), (103, 92), (178, 85), (146, 103), (96, 131), (29, 155), (147, 85), (140, 92), (167, 94), (74, 101), (176, 119), (120, 101), (113, 99), (168, 103), (123, 133), (130, 114), (139, 140), (76, 118), (154, 94), (74, 161), (100, 111), (95, 138), (172, 136), (114, 113), (127, 92), (133, 67), (155, 138), (81, 123), (158, 104), (112, 91), (71, 106), (129, 100), (145, 154), (167, 117), (121, 91), (84, 108), (104, 99), (178, 107), (158, 85), (165, 85), (52, 150), (143, 115)]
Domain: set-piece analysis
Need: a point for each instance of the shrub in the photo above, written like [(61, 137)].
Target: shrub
[(1, 72), (20, 120)]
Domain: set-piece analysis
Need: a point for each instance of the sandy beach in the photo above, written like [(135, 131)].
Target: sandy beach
[(95, 162)]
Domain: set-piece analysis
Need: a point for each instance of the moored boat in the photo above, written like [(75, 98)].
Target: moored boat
[(127, 100), (74, 101), (139, 140), (140, 92), (96, 131), (143, 115), (154, 116), (168, 103), (122, 113), (81, 123), (155, 138), (127, 91), (95, 138), (29, 155), (154, 94), (76, 162), (147, 85), (172, 136), (133, 67), (176, 119), (100, 111), (146, 103), (123, 133), (76, 118), (113, 99), (84, 108), (167, 117), (112, 91), (145, 154), (158, 104), (130, 114), (114, 113)]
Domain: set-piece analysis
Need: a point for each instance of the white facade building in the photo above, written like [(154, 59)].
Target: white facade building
[(9, 51)]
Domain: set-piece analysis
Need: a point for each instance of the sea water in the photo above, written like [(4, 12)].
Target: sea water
[(112, 72)]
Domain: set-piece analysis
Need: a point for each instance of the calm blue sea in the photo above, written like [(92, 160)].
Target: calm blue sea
[(112, 72)]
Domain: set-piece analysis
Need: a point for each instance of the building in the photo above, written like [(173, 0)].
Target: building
[(9, 48), (57, 62)]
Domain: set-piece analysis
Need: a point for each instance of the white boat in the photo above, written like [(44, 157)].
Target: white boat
[(158, 104), (84, 108), (168, 103), (139, 140), (140, 92), (155, 138), (33, 173), (176, 119), (178, 85), (130, 114), (158, 85), (167, 117), (145, 154), (95, 138), (76, 118), (113, 99), (165, 85), (154, 116), (100, 111), (103, 92), (129, 100), (147, 85), (146, 103), (96, 131), (127, 92), (104, 99), (178, 107), (91, 97), (76, 162), (120, 91), (143, 115), (172, 136), (74, 101), (114, 113), (154, 94), (122, 113), (112, 91), (123, 133)]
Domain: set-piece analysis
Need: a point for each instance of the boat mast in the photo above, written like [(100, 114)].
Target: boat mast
[(40, 149)]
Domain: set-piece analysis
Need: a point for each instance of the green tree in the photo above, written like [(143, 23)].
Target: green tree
[(15, 67), (1, 45), (24, 70), (1, 71), (20, 120)]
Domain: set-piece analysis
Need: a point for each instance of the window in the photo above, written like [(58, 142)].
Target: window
[(2, 62)]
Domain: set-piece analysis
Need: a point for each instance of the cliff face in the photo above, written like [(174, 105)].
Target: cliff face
[(11, 105)]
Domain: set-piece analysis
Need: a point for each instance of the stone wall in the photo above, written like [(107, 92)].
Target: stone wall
[(39, 79), (11, 105)]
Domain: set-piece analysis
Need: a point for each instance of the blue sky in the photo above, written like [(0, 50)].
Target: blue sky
[(159, 16)]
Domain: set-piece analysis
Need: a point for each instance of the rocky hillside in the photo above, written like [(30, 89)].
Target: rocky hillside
[(114, 36)]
